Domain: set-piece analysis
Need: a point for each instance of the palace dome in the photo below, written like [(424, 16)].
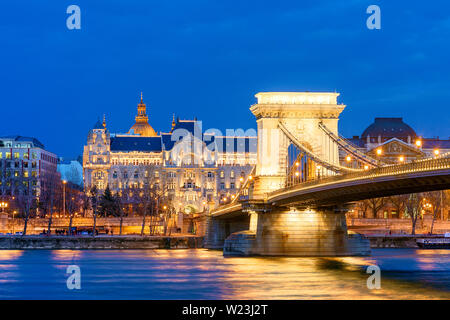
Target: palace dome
[(389, 128), (142, 127)]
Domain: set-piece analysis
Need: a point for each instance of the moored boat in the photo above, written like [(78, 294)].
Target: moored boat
[(433, 243)]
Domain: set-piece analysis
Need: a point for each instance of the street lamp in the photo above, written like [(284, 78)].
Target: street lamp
[(401, 159), (436, 152), (418, 143), (64, 198), (348, 158), (14, 212)]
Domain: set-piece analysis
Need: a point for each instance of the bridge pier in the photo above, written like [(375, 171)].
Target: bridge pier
[(293, 232), (218, 230)]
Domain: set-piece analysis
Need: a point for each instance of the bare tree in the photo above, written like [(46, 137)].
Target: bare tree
[(26, 198), (72, 203), (50, 190), (93, 197), (364, 207), (120, 211), (375, 205), (436, 201), (398, 202), (413, 207)]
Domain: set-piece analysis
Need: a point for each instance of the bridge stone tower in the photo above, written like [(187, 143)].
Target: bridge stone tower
[(260, 226), (300, 112)]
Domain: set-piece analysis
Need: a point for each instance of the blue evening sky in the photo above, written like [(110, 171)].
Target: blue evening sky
[(207, 58)]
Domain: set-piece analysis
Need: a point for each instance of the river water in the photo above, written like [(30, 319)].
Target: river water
[(204, 274)]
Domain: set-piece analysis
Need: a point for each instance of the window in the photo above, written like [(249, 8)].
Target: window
[(232, 174), (8, 155), (125, 175), (34, 155), (136, 174), (16, 164), (25, 155), (156, 174), (1, 155), (34, 174), (222, 186), (25, 174), (16, 173), (16, 155), (232, 185), (210, 175), (33, 164), (115, 175), (25, 164), (222, 174)]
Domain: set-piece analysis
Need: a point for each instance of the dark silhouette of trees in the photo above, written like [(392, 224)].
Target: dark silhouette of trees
[(93, 198), (413, 205)]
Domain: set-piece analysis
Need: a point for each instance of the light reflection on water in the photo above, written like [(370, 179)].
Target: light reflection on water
[(203, 274)]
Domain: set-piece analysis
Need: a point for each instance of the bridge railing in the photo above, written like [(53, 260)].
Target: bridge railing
[(415, 166)]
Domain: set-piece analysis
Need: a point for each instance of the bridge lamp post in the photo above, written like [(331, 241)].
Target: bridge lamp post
[(348, 159), (366, 167), (3, 205), (418, 143), (401, 159), (436, 152), (379, 153)]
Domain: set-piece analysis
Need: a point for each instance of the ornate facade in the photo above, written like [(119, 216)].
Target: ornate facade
[(196, 170)]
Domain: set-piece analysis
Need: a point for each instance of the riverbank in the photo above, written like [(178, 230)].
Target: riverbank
[(99, 242), (397, 241)]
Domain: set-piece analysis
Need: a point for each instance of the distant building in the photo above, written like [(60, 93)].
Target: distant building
[(71, 171), (392, 142), (25, 166), (193, 168)]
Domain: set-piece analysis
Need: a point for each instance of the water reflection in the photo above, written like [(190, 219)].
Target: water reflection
[(9, 255), (203, 274)]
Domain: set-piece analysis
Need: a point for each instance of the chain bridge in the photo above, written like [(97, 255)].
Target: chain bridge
[(294, 201)]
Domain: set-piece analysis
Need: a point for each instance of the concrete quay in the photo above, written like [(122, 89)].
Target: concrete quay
[(99, 242)]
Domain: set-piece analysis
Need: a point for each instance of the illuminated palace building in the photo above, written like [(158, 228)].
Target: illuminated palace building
[(193, 169)]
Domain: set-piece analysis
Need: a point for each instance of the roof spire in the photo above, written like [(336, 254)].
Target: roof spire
[(173, 122), (104, 121), (142, 101)]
